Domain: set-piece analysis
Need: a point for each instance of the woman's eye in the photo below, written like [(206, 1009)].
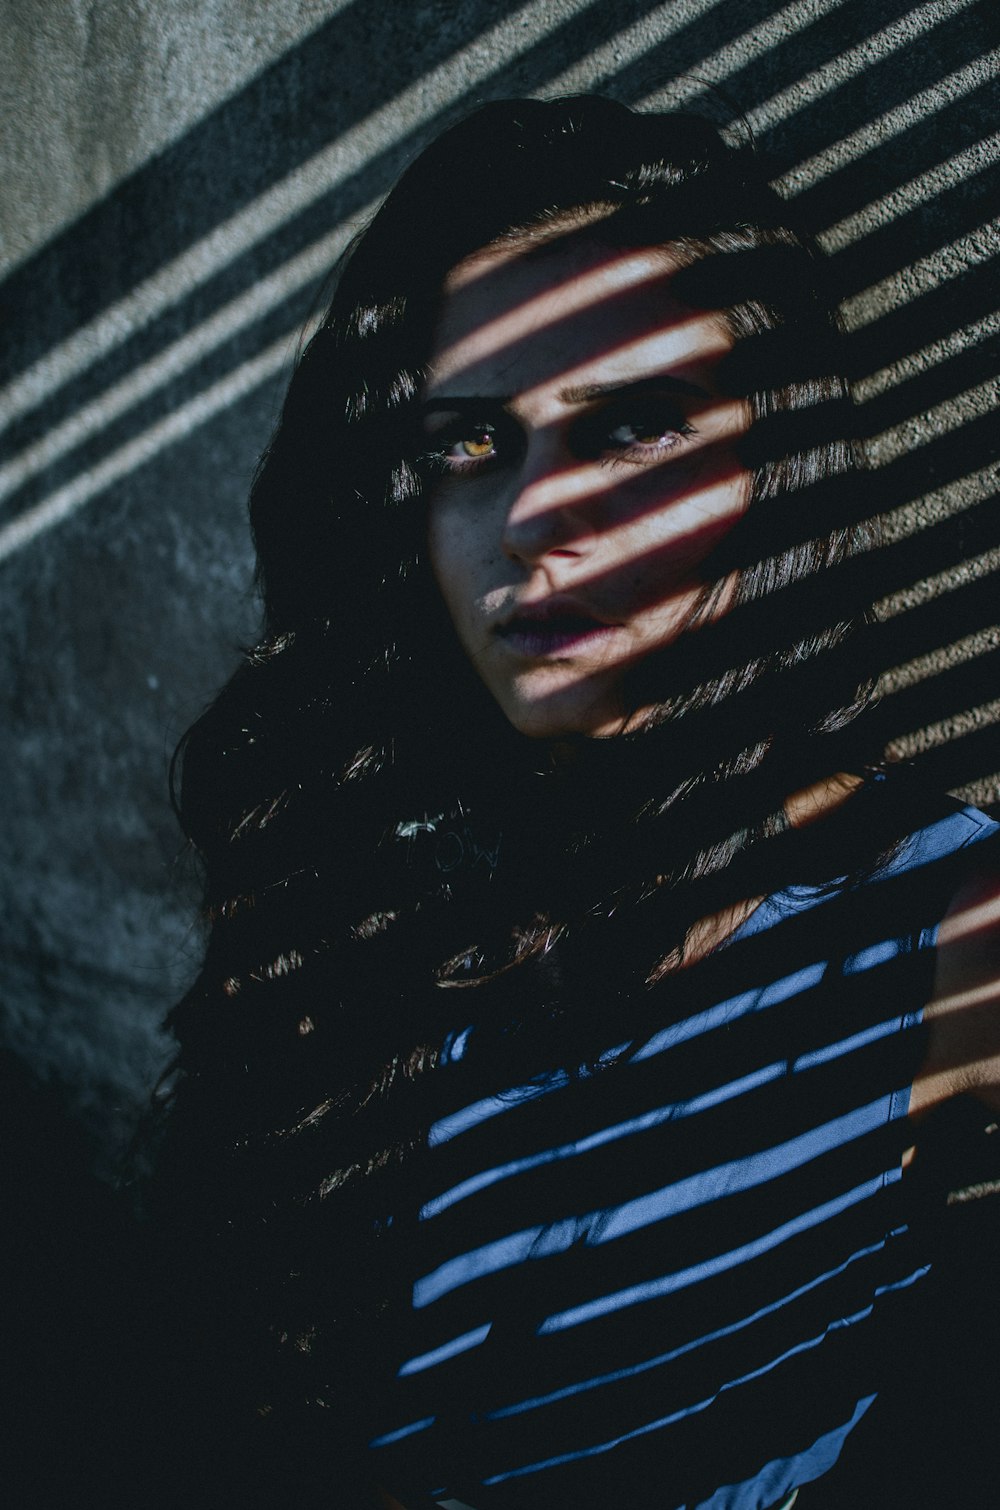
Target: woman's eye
[(642, 437), (464, 451), (643, 434), (479, 443)]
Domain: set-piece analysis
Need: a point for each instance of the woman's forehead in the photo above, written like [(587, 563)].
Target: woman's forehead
[(510, 322)]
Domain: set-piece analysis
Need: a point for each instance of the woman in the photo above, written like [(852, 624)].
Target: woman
[(546, 1084)]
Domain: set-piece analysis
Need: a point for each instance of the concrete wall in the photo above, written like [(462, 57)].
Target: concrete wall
[(177, 176)]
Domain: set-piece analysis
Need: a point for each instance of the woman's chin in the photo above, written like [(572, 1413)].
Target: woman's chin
[(561, 714)]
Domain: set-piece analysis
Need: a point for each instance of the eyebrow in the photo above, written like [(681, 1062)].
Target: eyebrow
[(584, 393)]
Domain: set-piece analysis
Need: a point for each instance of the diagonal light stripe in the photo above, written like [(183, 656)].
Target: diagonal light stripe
[(922, 276), (917, 362), (174, 426), (913, 742), (923, 668), (881, 44), (893, 123), (922, 429), (944, 175), (630, 44), (946, 580), (201, 79), (174, 359), (734, 55), (407, 111)]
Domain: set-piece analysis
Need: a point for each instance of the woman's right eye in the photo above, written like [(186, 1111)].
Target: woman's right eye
[(465, 450), (477, 445)]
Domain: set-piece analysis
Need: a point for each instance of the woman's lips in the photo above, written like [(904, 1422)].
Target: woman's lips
[(537, 635)]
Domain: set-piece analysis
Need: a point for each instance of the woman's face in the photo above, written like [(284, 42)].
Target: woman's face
[(585, 466)]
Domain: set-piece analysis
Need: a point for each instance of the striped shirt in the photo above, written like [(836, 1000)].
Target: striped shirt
[(676, 1270)]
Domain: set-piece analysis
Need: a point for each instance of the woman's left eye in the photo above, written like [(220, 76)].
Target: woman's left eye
[(635, 434), (646, 435)]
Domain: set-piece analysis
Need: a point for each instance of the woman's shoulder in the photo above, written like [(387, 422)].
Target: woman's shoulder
[(950, 827), (963, 1012)]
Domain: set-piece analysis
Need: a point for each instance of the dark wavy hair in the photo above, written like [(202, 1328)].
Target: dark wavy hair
[(373, 832)]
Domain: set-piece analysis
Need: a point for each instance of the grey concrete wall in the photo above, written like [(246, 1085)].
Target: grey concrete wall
[(178, 174)]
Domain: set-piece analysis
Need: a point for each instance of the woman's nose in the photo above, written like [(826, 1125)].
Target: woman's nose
[(547, 514)]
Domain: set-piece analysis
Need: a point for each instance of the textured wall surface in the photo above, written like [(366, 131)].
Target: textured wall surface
[(177, 177)]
